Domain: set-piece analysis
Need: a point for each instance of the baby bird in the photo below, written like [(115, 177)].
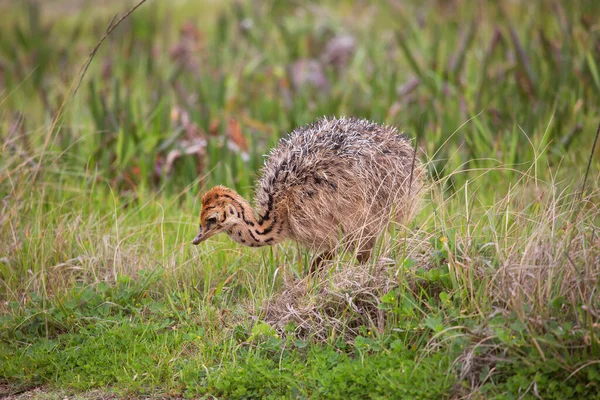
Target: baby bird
[(334, 184)]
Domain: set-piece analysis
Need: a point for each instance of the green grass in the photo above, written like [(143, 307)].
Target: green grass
[(494, 291)]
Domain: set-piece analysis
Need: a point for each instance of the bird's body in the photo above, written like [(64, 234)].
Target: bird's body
[(336, 182)]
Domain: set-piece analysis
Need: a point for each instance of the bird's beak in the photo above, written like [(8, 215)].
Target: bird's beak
[(199, 237)]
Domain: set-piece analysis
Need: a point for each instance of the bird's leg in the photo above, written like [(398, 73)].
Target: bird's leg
[(365, 250), (318, 262)]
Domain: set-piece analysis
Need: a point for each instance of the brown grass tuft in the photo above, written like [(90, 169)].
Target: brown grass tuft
[(336, 305)]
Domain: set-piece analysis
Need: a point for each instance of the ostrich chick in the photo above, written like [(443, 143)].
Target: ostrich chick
[(333, 184)]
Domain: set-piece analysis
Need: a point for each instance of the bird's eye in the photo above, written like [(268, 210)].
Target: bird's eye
[(211, 220)]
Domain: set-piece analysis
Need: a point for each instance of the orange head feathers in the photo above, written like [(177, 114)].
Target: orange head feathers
[(218, 212)]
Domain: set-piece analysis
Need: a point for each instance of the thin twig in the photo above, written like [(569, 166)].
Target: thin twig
[(82, 71), (587, 171), (86, 65), (580, 197)]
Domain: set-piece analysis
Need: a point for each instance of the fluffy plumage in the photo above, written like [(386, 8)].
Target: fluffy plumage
[(334, 182)]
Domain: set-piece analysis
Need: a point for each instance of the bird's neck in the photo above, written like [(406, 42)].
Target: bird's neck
[(267, 229)]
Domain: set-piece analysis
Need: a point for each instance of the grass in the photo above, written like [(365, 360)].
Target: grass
[(494, 288)]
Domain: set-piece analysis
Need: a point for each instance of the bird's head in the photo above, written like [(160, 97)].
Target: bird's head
[(220, 212)]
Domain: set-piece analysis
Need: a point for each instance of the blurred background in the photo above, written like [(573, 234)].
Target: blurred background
[(197, 91)]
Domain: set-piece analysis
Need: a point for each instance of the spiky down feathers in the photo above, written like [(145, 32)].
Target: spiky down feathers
[(339, 180)]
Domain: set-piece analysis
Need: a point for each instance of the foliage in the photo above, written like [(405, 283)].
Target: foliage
[(492, 292)]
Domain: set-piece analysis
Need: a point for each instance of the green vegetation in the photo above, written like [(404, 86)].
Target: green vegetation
[(494, 290)]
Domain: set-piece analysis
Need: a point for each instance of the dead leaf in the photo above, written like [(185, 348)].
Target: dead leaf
[(235, 135)]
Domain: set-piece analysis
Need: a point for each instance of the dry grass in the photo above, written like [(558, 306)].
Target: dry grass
[(523, 262), (534, 253), (556, 256), (335, 304)]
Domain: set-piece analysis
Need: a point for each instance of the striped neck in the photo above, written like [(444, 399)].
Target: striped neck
[(268, 229)]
